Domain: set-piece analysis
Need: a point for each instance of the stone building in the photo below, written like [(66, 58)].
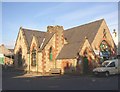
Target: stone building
[(76, 49), (7, 55)]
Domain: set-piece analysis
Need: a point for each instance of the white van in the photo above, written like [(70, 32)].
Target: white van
[(108, 67)]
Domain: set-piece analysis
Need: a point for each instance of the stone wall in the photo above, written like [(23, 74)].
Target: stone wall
[(20, 43), (67, 65), (47, 64), (99, 37), (8, 60), (56, 42)]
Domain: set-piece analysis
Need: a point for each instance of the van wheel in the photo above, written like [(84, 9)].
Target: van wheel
[(107, 74)]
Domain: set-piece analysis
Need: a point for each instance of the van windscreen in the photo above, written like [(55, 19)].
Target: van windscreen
[(104, 64)]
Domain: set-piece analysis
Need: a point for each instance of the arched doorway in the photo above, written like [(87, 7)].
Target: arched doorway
[(79, 63), (33, 57), (20, 57), (85, 63), (105, 51)]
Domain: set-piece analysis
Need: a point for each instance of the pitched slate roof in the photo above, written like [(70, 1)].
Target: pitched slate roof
[(78, 33), (38, 34), (47, 36), (76, 36), (70, 50)]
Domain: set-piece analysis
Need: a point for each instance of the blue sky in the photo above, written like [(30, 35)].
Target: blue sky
[(38, 15)]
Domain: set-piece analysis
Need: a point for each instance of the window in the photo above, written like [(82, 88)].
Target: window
[(104, 33), (33, 63), (50, 54), (20, 57), (104, 46), (112, 64)]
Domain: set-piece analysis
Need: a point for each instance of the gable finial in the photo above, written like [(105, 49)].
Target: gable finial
[(86, 37), (20, 27)]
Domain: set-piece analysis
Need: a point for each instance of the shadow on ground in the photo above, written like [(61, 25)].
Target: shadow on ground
[(12, 72)]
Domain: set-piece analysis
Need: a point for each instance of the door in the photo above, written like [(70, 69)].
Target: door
[(85, 65)]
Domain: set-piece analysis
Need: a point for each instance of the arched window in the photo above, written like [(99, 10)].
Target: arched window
[(105, 49), (33, 63), (50, 54), (104, 46), (20, 57)]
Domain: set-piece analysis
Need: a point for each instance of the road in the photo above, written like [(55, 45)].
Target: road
[(65, 82)]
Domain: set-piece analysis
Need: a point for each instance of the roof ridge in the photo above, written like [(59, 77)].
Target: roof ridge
[(35, 30), (85, 24)]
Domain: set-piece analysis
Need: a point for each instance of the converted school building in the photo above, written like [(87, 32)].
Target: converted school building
[(77, 49)]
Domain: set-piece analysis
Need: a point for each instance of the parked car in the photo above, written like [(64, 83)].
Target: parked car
[(108, 67)]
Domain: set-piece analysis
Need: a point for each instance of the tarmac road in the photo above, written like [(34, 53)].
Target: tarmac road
[(65, 82)]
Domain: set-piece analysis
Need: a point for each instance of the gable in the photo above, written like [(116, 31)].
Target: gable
[(20, 41), (99, 36), (85, 46), (34, 43), (29, 34)]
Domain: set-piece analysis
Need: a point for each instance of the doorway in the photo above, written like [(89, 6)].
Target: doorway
[(20, 58), (85, 65)]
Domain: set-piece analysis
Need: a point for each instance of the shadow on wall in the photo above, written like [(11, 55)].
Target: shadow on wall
[(69, 69), (83, 66), (22, 64)]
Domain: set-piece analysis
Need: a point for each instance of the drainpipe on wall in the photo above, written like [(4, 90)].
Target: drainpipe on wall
[(37, 62), (29, 59)]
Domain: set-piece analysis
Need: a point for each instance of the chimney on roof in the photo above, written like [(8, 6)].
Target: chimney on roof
[(55, 29), (59, 38)]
